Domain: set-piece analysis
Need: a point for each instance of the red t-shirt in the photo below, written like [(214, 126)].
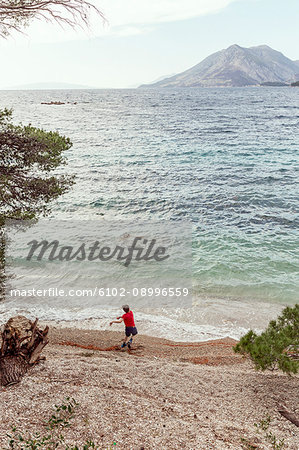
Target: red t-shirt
[(129, 319)]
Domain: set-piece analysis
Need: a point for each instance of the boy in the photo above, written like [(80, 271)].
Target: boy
[(130, 328)]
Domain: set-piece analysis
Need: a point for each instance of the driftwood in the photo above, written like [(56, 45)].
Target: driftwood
[(22, 344), (288, 415)]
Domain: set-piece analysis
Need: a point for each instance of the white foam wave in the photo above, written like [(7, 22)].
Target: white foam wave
[(207, 319)]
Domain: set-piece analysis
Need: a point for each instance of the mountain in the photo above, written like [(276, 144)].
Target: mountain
[(48, 85), (236, 66), (134, 86), (162, 78)]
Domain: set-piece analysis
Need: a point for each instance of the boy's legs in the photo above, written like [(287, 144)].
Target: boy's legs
[(125, 340), (128, 339), (134, 333)]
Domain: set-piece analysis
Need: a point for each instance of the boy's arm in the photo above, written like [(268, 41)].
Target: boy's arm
[(116, 321)]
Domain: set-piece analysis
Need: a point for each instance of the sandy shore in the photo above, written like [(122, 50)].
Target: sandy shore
[(161, 395)]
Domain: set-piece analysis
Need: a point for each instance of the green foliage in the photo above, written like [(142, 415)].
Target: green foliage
[(53, 437), (277, 345), (262, 427), (62, 416), (28, 155)]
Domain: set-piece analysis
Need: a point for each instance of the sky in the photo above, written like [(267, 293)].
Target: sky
[(143, 40)]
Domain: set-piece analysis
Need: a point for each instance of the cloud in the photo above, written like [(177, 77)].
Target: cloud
[(129, 12), (131, 30), (125, 17)]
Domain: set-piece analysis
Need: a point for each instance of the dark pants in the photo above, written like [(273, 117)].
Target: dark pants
[(131, 331)]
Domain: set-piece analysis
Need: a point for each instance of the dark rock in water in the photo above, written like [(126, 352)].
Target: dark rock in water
[(274, 84), (52, 103), (236, 66), (58, 103)]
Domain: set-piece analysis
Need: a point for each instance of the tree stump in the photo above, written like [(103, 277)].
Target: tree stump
[(22, 344)]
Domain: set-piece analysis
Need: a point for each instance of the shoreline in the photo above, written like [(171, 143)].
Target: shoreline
[(162, 394), (212, 352), (208, 319)]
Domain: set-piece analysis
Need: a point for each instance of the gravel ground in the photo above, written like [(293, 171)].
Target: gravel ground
[(162, 395)]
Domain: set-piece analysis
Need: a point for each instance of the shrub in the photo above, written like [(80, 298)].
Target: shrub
[(277, 346)]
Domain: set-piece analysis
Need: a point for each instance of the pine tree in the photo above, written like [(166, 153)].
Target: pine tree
[(277, 346), (28, 158)]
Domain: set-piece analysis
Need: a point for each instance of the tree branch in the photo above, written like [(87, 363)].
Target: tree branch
[(16, 14), (288, 415)]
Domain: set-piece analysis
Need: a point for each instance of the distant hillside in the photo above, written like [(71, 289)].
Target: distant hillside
[(236, 66), (48, 85), (274, 84)]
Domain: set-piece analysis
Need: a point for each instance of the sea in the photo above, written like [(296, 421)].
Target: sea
[(224, 160)]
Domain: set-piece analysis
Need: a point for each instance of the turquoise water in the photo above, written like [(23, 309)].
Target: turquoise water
[(224, 159)]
